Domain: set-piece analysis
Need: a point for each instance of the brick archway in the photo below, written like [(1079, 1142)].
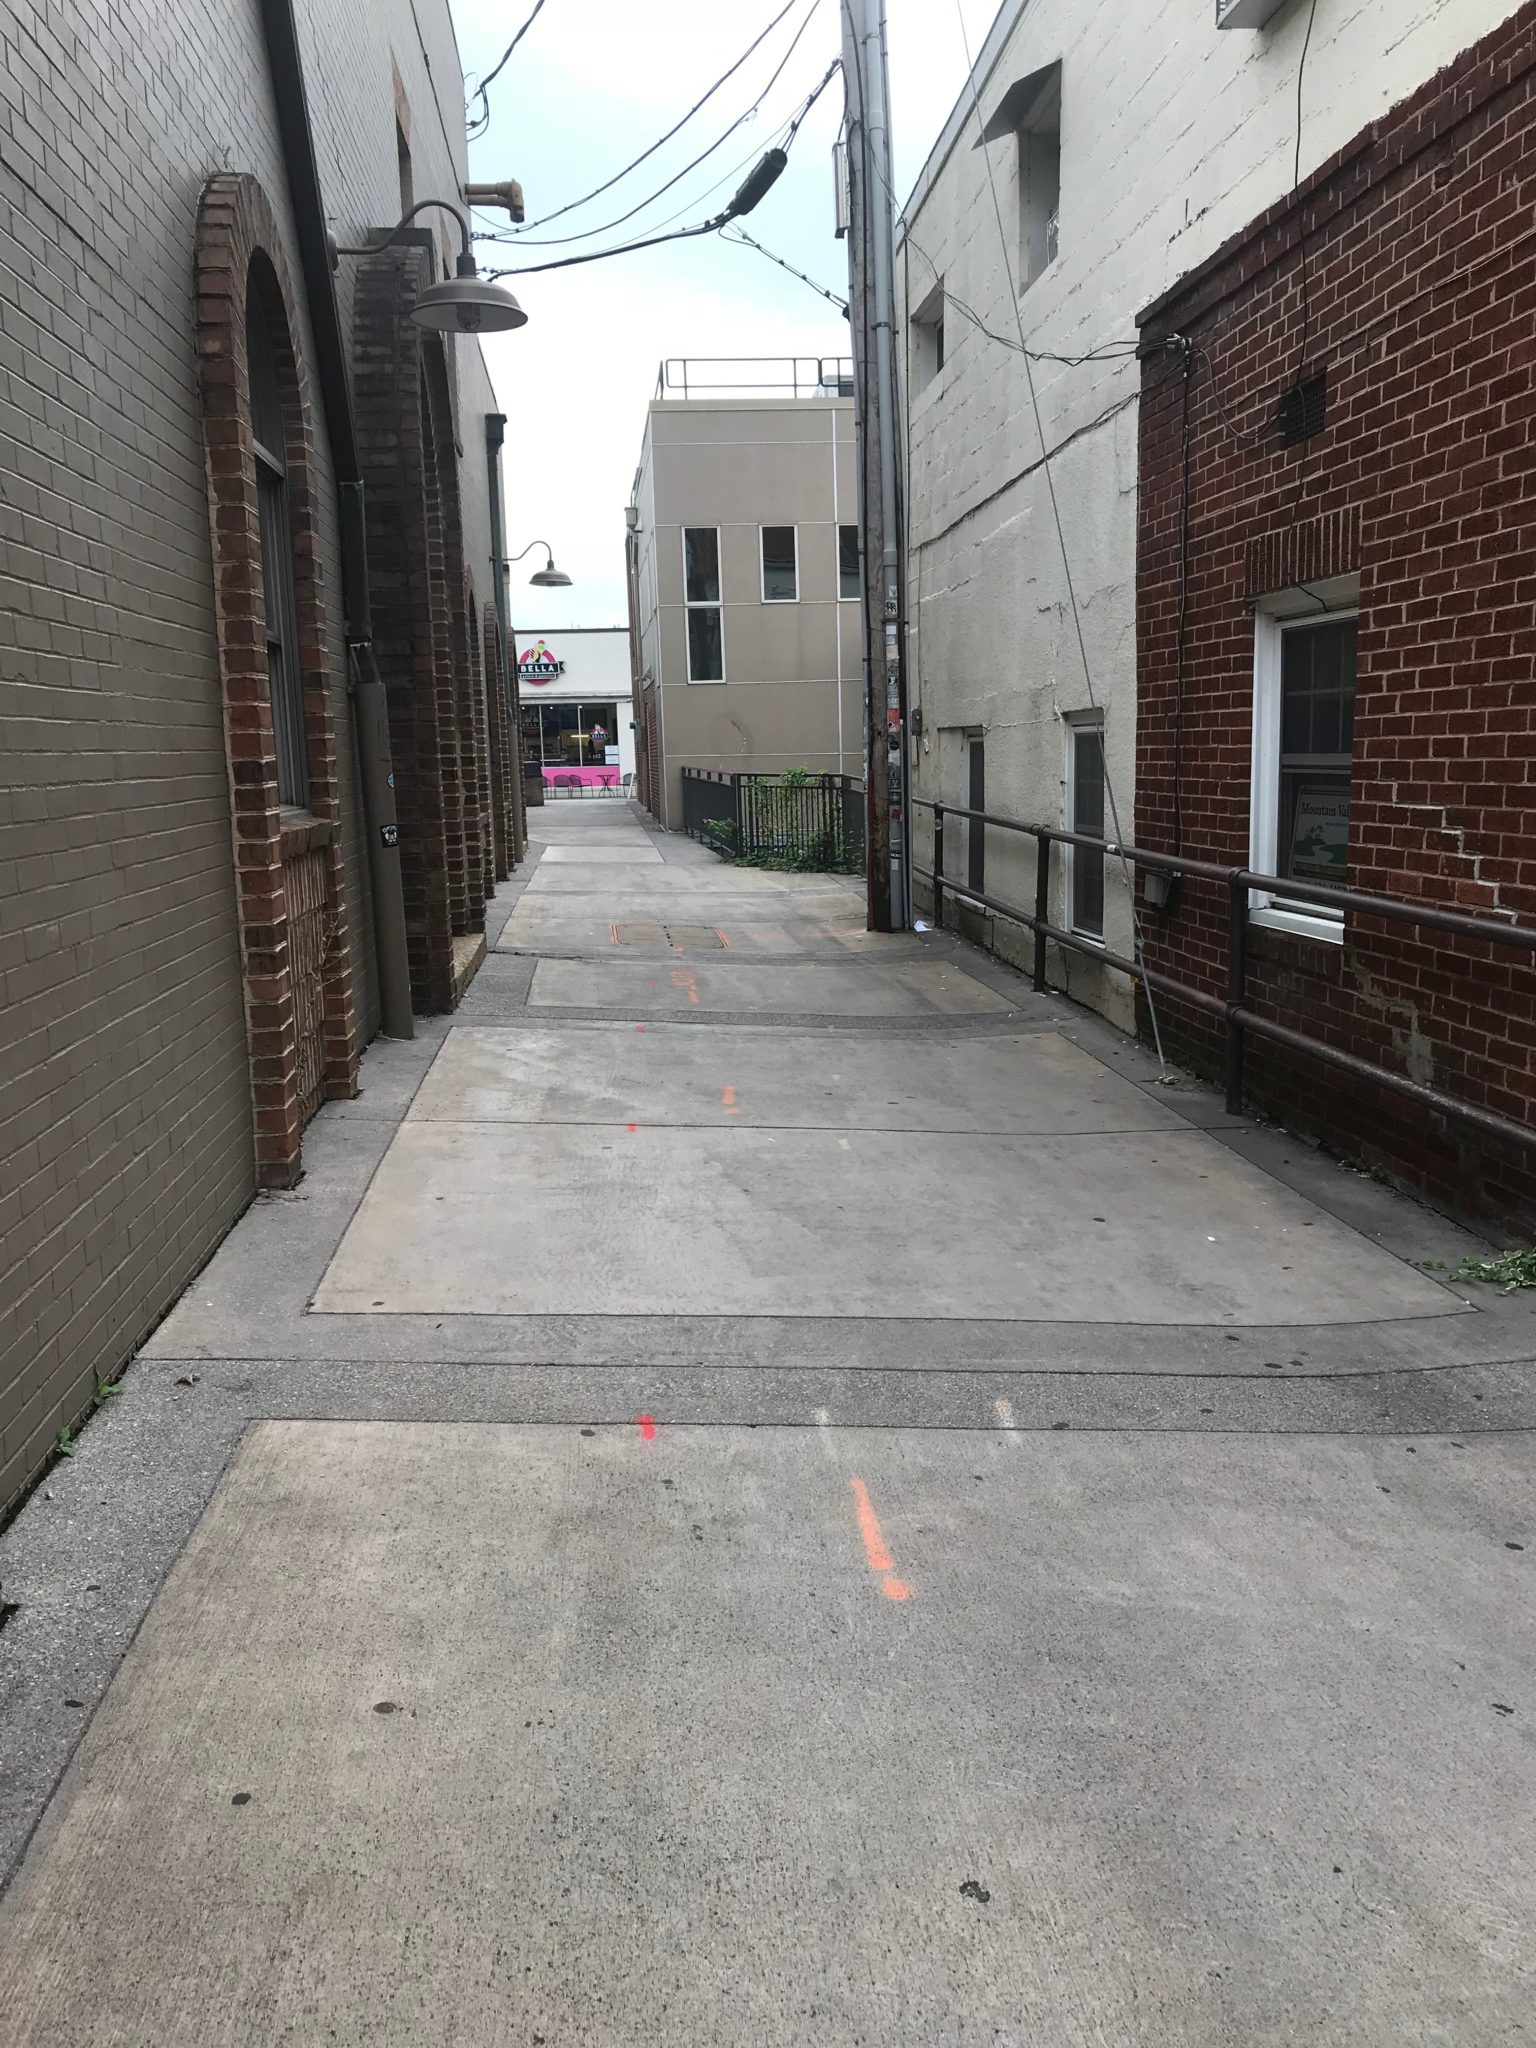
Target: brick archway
[(301, 1016)]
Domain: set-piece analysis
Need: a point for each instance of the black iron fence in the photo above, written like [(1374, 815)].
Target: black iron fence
[(814, 823), (1238, 1019)]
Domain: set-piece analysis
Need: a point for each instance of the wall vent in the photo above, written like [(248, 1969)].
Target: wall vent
[(1302, 409)]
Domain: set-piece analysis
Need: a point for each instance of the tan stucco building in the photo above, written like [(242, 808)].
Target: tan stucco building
[(744, 581)]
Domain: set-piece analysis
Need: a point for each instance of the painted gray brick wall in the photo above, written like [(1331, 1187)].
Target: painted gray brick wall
[(125, 1142)]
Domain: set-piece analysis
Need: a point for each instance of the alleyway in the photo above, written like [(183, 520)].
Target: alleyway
[(772, 1486)]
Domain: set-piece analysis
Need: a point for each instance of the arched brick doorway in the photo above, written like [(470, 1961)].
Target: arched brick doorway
[(276, 662)]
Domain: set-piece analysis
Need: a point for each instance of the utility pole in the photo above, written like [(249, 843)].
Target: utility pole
[(872, 312)]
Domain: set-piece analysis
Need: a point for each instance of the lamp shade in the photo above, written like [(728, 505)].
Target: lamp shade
[(467, 305), (550, 578)]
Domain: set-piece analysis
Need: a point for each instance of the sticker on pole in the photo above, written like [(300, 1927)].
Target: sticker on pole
[(390, 834)]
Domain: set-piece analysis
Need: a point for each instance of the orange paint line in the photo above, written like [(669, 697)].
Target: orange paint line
[(880, 1559), (729, 1099), (614, 930), (720, 935)]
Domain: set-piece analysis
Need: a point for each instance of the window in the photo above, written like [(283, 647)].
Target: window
[(781, 567), (1040, 182), (701, 592), (1085, 813), (928, 338), (1303, 743), (1030, 112), (850, 576), (403, 165), (571, 743), (975, 800), (269, 426)]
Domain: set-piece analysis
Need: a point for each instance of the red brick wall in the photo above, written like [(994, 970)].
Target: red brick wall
[(1406, 270)]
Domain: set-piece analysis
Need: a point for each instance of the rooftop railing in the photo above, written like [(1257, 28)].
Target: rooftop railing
[(755, 377)]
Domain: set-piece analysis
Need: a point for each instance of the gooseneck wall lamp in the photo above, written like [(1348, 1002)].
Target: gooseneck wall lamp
[(547, 578), (463, 304)]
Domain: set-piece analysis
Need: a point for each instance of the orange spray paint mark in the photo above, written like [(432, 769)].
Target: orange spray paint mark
[(682, 977), (614, 933), (880, 1559), (631, 1127), (720, 935), (647, 1426), (729, 1099)]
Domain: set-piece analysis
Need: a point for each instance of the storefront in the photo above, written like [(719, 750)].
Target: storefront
[(577, 710)]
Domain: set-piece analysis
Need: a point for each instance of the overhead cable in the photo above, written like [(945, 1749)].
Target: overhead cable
[(677, 127), (480, 120), (744, 240), (759, 180), (520, 238)]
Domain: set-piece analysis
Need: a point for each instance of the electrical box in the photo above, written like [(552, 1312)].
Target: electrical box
[(1247, 13)]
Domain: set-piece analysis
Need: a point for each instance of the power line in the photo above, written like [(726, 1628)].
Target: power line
[(608, 183), (757, 183), (1061, 541), (520, 238), (745, 241), (480, 122)]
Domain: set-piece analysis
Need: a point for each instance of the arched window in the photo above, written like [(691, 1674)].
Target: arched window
[(269, 424)]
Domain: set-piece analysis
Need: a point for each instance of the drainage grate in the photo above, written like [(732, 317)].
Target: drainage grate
[(678, 938)]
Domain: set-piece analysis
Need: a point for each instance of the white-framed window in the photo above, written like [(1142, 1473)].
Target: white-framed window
[(1303, 746), (781, 564), (850, 575), (701, 597), (1085, 811)]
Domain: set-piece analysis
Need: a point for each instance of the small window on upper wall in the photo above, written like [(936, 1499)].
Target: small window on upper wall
[(1030, 112), (781, 567), (1040, 182), (850, 579), (927, 339)]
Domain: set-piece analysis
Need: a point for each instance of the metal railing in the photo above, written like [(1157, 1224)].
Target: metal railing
[(1238, 1019), (789, 377), (817, 823)]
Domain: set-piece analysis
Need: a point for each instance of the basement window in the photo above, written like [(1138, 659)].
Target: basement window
[(1302, 410), (1085, 813)]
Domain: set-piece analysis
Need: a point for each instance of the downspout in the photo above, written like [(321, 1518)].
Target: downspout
[(495, 436), (370, 708)]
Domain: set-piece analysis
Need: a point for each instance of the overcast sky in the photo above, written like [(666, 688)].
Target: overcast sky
[(592, 84)]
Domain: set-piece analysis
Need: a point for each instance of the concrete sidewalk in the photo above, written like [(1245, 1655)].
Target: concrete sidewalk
[(773, 1486)]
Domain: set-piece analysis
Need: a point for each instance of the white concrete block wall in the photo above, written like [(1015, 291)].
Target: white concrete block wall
[(1173, 136)]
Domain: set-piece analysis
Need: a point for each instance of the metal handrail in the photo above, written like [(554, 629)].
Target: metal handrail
[(1239, 883)]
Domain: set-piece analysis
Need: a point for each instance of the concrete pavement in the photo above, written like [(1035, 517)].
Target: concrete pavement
[(772, 1486)]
